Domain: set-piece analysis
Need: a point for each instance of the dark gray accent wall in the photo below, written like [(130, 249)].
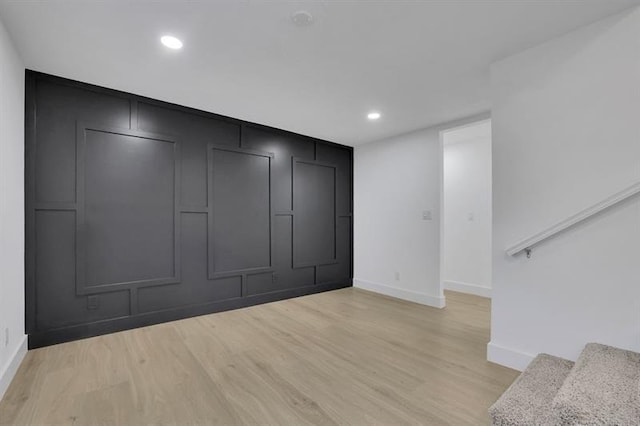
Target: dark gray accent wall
[(140, 211)]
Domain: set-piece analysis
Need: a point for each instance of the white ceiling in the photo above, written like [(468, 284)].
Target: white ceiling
[(417, 62)]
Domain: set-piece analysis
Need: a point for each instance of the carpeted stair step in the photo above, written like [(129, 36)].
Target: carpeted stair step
[(528, 401), (603, 388)]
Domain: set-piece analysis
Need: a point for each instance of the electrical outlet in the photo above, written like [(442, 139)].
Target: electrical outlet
[(427, 215), (6, 337), (93, 302), (397, 274)]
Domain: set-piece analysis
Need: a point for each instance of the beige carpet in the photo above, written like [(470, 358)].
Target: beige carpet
[(602, 388), (528, 401)]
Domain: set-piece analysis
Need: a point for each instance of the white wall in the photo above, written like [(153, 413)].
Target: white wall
[(566, 135), (396, 181), (466, 247), (11, 211)]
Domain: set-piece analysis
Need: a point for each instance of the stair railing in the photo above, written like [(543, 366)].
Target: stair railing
[(527, 244)]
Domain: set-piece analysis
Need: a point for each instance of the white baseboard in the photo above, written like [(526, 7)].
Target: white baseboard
[(10, 369), (399, 293), (508, 357), (469, 288)]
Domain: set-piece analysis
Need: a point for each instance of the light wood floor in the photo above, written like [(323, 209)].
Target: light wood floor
[(346, 357)]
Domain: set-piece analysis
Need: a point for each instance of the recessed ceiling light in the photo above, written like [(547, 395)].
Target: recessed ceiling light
[(302, 18), (373, 115), (171, 42)]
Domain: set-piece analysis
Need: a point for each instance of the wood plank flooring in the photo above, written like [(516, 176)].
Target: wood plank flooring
[(346, 357)]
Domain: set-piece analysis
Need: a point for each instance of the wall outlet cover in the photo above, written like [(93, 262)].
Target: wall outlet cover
[(93, 302)]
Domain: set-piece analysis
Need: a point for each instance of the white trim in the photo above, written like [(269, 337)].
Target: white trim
[(573, 220), (12, 366), (508, 357), (462, 287), (399, 293)]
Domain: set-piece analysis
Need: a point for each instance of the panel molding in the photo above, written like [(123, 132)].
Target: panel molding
[(64, 334), (183, 124), (212, 274), (81, 246), (295, 262), (30, 202), (62, 206), (194, 209)]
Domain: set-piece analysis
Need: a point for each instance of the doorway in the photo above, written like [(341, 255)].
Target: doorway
[(466, 224)]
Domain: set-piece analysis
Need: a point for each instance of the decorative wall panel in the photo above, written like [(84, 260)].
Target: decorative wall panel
[(140, 211), (127, 232), (239, 211), (314, 213)]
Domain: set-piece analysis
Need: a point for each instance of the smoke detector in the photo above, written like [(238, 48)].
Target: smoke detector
[(302, 18)]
